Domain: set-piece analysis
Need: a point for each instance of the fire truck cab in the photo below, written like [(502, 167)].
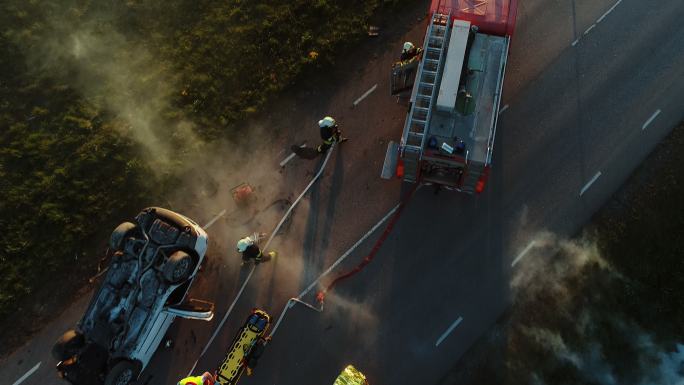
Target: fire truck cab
[(448, 135)]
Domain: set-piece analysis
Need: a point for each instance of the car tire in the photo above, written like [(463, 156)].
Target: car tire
[(179, 267), (68, 345), (122, 373), (119, 235)]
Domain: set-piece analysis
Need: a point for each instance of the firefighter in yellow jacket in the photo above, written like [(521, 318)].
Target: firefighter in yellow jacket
[(205, 379)]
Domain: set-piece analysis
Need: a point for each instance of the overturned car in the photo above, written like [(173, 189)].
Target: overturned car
[(153, 264)]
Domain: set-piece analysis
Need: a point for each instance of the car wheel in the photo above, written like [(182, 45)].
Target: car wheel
[(179, 267), (122, 373), (116, 241), (68, 345)]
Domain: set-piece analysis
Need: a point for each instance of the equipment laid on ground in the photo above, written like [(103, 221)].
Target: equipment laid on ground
[(242, 194), (154, 262), (245, 350), (448, 136), (351, 376)]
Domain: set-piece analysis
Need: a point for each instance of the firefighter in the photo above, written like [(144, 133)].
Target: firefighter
[(330, 133), (249, 248), (255, 353), (409, 53), (205, 379)]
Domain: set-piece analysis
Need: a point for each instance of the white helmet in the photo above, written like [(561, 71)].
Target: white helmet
[(244, 243), (326, 122), (408, 45)]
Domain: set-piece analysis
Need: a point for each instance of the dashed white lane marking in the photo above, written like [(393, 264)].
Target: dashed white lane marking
[(650, 120), (214, 219), (504, 108), (523, 253), (25, 376), (589, 29), (600, 19), (357, 101), (586, 186), (446, 333), (289, 158)]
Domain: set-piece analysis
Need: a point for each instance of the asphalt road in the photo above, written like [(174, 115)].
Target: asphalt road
[(579, 93)]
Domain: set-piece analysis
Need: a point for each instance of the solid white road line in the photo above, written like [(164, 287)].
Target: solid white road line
[(337, 262), (589, 29), (586, 186), (650, 120), (296, 202), (523, 253), (25, 376), (574, 43), (504, 108), (214, 219), (446, 333), (289, 158), (357, 101), (600, 19), (223, 321), (268, 242), (351, 249)]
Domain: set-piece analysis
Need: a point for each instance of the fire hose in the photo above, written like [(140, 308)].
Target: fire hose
[(393, 217), (268, 242), (320, 296)]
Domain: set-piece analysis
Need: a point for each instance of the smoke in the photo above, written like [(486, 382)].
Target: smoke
[(559, 292), (554, 259), (81, 46), (357, 316), (656, 365)]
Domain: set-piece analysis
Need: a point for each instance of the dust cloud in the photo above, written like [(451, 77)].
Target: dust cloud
[(552, 283), (79, 44), (358, 316), (551, 261), (124, 78)]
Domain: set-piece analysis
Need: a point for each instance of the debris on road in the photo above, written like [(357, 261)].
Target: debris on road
[(305, 152), (242, 194)]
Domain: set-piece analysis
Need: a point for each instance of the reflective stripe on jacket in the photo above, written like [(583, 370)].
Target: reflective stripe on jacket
[(195, 380)]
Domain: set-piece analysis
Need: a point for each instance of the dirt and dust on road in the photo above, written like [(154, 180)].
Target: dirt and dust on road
[(603, 308), (203, 187)]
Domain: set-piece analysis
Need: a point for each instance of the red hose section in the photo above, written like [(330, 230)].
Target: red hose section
[(376, 247)]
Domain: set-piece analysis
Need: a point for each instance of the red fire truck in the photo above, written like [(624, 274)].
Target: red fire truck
[(455, 91)]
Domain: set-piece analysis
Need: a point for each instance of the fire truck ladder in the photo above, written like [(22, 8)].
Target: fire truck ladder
[(424, 93)]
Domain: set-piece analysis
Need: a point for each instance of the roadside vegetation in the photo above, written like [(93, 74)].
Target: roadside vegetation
[(605, 308), (99, 99)]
